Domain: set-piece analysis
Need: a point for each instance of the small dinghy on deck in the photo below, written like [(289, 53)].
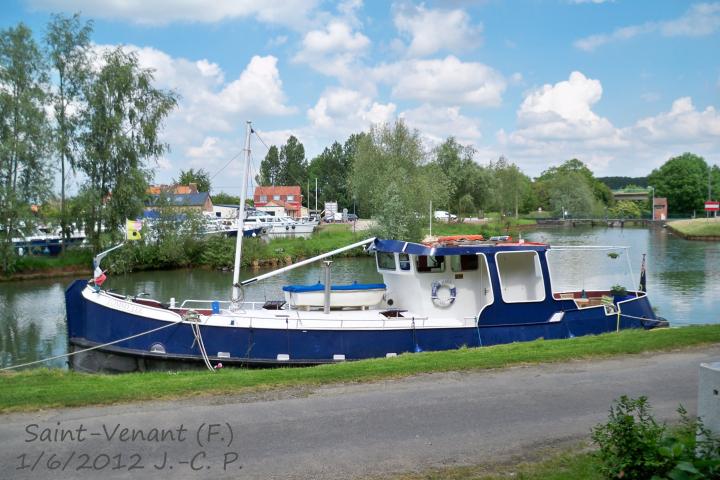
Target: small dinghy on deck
[(356, 295)]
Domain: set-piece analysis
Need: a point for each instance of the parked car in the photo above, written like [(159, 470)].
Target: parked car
[(443, 215), (352, 217)]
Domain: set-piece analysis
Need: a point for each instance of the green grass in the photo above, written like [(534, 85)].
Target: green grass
[(570, 465), (42, 388), (492, 228), (699, 227), (40, 263)]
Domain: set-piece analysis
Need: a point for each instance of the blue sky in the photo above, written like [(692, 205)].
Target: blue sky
[(622, 85)]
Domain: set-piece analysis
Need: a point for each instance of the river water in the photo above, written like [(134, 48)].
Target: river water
[(683, 284)]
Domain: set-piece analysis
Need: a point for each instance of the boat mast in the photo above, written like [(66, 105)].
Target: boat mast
[(241, 216)]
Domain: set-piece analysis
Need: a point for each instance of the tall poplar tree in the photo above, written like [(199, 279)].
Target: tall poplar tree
[(24, 173), (68, 42), (122, 124)]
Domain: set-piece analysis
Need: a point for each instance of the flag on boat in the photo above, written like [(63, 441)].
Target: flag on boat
[(643, 279), (99, 276), (133, 229)]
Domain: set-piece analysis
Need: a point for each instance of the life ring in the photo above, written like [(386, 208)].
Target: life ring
[(443, 302)]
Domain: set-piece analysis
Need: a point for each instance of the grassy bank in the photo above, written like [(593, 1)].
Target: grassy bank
[(70, 262), (573, 464), (42, 388), (698, 227)]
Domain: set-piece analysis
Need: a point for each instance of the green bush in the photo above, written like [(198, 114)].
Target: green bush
[(634, 446)]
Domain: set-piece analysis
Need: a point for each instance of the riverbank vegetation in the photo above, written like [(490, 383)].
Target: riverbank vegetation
[(386, 173), (698, 227), (43, 388)]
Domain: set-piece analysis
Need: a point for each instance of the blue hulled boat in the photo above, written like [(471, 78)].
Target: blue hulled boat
[(445, 294), (433, 297)]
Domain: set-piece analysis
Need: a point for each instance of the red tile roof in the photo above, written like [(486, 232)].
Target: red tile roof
[(281, 190)]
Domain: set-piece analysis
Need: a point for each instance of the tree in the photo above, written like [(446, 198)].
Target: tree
[(199, 177), (392, 183), (464, 175), (626, 209), (223, 198), (332, 168), (511, 186), (122, 121), (68, 44), (569, 193), (683, 180), (600, 191), (269, 168), (293, 166), (24, 172)]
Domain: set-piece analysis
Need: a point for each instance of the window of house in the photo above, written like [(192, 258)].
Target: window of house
[(521, 278), (291, 198), (385, 261), (404, 261), (263, 198), (276, 197), (463, 263), (430, 264)]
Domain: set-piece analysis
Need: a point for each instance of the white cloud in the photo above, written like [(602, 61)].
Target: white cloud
[(333, 50), (683, 124), (208, 150), (431, 30), (444, 81), (699, 20), (437, 124), (556, 122), (290, 13), (341, 111)]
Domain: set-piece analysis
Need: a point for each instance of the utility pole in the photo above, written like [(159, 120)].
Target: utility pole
[(316, 210)]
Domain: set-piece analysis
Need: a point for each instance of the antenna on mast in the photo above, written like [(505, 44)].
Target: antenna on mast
[(236, 297)]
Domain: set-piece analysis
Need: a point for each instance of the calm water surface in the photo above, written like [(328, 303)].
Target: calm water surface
[(683, 284)]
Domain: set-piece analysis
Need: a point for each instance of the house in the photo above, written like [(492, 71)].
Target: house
[(185, 197), (660, 209), (281, 200)]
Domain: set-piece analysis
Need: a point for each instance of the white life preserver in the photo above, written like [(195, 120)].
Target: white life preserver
[(443, 302)]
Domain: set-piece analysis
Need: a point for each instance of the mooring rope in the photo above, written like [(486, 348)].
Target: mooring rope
[(194, 319), (70, 354)]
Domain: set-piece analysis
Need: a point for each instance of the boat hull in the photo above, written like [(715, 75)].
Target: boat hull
[(91, 324)]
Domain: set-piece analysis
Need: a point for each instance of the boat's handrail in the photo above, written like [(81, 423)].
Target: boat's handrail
[(188, 302)]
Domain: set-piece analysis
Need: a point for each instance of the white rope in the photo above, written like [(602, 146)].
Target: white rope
[(90, 348), (201, 345)]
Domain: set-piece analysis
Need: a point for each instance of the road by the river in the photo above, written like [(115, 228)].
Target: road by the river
[(346, 431)]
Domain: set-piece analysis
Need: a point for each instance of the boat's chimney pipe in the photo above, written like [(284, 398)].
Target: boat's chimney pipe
[(326, 302)]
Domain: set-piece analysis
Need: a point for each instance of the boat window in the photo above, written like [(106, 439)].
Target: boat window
[(404, 260), (521, 278), (386, 261), (463, 263), (430, 264)]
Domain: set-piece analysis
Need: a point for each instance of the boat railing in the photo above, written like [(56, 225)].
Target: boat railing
[(224, 304)]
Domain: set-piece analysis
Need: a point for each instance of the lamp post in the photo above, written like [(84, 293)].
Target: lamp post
[(652, 205)]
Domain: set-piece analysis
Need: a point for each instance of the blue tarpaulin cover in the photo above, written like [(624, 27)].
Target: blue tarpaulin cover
[(319, 287)]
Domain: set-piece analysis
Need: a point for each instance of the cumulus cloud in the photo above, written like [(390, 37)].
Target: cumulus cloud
[(290, 13), (699, 20), (432, 30), (447, 80), (683, 123), (332, 50), (343, 111), (437, 124), (556, 122)]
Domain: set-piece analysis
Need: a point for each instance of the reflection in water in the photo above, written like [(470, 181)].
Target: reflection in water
[(683, 279), (683, 284)]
